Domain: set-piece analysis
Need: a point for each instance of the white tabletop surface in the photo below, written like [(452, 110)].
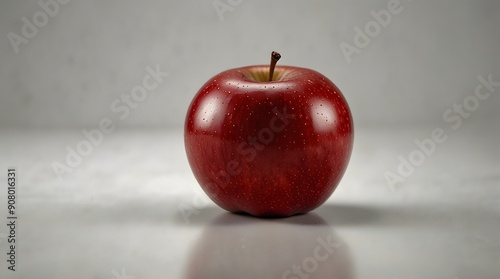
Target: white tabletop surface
[(124, 213)]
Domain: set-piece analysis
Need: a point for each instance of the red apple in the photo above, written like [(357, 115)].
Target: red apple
[(269, 141)]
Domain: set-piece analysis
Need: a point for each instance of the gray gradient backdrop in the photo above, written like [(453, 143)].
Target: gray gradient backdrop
[(91, 52)]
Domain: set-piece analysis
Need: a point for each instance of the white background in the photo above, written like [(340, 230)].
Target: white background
[(91, 52)]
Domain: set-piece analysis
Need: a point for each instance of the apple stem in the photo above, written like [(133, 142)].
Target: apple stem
[(274, 59)]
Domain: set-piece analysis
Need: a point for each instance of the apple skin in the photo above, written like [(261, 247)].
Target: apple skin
[(269, 148)]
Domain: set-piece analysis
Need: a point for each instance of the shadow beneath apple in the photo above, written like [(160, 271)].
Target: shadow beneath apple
[(338, 215), (240, 246), (348, 214)]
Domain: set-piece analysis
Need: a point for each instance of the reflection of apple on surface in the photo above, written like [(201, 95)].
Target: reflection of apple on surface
[(236, 246), (269, 141)]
